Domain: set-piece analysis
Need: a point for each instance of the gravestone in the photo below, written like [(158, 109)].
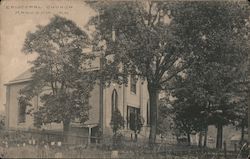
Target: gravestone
[(114, 154)]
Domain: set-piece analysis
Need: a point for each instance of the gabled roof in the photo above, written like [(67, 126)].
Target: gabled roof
[(27, 75), (23, 77)]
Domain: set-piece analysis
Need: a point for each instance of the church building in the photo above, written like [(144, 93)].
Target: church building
[(130, 99)]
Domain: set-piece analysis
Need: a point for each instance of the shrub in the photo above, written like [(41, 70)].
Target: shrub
[(117, 123)]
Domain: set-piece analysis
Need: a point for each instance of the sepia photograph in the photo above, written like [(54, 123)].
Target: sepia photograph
[(145, 79)]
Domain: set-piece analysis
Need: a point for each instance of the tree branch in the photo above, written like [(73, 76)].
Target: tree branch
[(174, 74)]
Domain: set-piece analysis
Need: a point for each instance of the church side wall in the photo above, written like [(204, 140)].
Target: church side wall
[(108, 105), (94, 102), (144, 110), (7, 107), (13, 108), (125, 98)]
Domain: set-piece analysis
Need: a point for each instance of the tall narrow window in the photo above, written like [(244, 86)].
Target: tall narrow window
[(114, 100), (133, 82)]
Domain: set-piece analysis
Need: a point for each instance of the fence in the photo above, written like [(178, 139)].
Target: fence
[(50, 144)]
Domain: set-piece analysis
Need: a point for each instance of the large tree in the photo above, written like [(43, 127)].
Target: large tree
[(219, 32), (59, 73), (241, 121), (201, 101), (188, 108), (241, 112), (142, 38), (157, 41)]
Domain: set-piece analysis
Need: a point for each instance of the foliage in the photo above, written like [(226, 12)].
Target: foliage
[(158, 41), (240, 99), (208, 90), (166, 117), (59, 76), (2, 122), (24, 102), (145, 45), (138, 124), (117, 122), (241, 112)]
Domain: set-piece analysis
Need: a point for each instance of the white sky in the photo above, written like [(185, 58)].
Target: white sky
[(15, 24)]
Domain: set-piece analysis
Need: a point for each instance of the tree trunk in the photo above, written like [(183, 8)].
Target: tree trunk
[(200, 139), (188, 139), (135, 137), (205, 138), (248, 102), (219, 136), (242, 134), (66, 128), (153, 99)]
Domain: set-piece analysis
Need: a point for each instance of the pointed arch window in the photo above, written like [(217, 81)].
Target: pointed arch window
[(114, 100)]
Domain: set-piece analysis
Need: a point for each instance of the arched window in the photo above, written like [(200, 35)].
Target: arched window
[(114, 100)]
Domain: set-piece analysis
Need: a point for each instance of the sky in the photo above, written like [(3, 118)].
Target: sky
[(20, 16)]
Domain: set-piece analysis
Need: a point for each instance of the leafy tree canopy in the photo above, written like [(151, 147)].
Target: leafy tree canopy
[(60, 76), (158, 41)]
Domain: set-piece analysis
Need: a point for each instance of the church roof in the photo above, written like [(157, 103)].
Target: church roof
[(23, 77), (27, 75)]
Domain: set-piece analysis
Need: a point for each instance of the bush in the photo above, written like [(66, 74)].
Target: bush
[(117, 123)]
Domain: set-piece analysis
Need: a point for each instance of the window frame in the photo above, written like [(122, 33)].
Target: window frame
[(136, 111), (114, 101), (133, 84)]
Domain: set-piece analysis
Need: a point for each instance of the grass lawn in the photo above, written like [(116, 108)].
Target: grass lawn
[(30, 151)]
